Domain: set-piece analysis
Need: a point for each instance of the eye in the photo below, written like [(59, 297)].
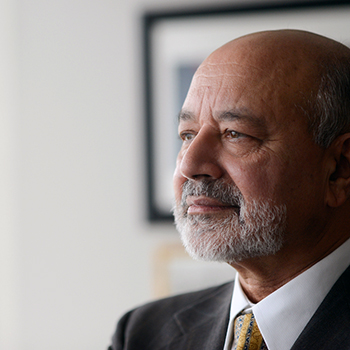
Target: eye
[(232, 134), (187, 136)]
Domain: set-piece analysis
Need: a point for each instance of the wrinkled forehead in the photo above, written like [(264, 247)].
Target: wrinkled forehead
[(225, 70), (232, 77), (231, 84), (229, 73)]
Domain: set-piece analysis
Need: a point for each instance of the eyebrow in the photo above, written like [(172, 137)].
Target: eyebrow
[(185, 116), (231, 115), (242, 115)]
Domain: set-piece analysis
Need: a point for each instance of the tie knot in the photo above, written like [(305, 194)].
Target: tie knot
[(247, 334)]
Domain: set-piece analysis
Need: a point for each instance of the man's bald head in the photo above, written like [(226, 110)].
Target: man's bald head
[(316, 67), (285, 44)]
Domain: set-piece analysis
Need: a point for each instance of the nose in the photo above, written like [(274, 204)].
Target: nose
[(201, 158)]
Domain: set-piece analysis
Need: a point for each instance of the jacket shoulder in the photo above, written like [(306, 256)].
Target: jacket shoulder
[(175, 303), (146, 321), (329, 327)]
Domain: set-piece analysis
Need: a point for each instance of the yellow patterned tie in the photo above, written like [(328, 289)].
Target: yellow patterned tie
[(247, 334)]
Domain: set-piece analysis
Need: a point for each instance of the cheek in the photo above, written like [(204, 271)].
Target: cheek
[(255, 179), (253, 183)]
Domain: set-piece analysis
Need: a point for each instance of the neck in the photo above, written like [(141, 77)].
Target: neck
[(259, 277)]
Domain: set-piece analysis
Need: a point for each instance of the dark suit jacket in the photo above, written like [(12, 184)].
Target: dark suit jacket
[(199, 320)]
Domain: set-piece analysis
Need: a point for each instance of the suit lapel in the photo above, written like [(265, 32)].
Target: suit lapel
[(329, 328), (203, 325)]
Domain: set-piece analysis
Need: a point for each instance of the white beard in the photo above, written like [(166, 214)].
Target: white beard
[(256, 230)]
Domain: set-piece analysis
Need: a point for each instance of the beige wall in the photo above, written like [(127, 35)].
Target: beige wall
[(76, 251)]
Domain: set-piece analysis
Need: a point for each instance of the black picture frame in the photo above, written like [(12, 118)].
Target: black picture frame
[(196, 30)]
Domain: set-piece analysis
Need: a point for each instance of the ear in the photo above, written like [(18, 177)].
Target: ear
[(339, 180)]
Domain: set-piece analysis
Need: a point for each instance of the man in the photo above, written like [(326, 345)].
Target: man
[(262, 183)]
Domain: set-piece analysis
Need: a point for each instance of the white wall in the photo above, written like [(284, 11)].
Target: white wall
[(76, 250), (9, 248)]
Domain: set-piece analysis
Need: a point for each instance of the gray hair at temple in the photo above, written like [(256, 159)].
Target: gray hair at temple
[(331, 109)]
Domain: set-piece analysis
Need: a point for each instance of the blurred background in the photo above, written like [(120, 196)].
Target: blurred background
[(76, 249)]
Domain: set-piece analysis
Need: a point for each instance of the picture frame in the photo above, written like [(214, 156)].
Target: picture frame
[(176, 42)]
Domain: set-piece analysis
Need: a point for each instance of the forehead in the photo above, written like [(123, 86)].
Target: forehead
[(245, 89), (231, 76)]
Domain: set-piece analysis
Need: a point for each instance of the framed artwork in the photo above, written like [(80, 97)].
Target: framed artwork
[(176, 42)]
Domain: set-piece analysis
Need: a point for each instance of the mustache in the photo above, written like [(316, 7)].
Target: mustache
[(226, 193)]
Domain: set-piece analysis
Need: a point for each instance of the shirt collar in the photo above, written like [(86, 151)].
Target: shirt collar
[(241, 302), (283, 315)]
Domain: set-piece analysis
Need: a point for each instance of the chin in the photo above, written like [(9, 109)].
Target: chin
[(232, 238)]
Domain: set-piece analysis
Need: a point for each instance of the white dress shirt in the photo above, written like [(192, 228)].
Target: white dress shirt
[(282, 315)]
